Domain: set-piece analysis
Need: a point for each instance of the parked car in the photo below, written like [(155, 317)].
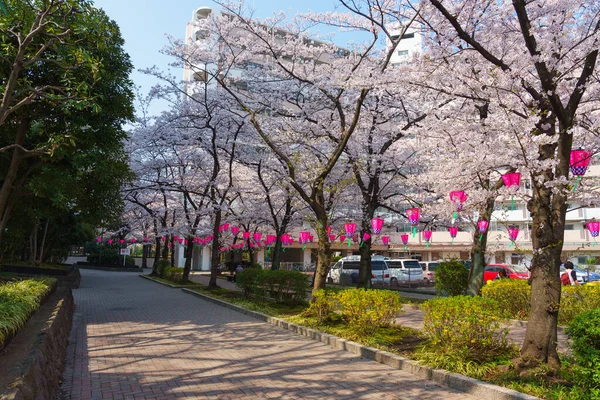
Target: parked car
[(405, 270), (429, 268), (513, 271), (380, 273)]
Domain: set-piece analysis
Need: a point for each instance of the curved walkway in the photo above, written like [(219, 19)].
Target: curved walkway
[(135, 339)]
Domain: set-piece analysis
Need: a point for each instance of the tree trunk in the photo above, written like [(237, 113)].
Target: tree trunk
[(324, 252), (145, 250), (478, 252), (41, 256), (215, 253), (189, 253), (156, 256), (173, 244), (276, 253), (11, 174), (165, 250), (364, 270), (34, 243)]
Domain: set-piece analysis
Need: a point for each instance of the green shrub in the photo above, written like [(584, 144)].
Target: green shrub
[(18, 300), (173, 274), (576, 300), (366, 310), (252, 282), (451, 278), (322, 305), (584, 331), (161, 266), (513, 295), (288, 287), (467, 328)]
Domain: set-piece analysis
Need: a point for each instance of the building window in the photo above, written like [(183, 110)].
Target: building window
[(408, 36), (569, 227), (402, 52)]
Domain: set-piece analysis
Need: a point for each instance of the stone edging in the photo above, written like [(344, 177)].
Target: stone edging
[(32, 364), (455, 381), (167, 284)]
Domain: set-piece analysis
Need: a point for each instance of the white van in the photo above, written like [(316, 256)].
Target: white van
[(380, 273), (429, 268), (405, 271)]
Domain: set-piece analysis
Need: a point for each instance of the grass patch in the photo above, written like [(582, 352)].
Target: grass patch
[(18, 300)]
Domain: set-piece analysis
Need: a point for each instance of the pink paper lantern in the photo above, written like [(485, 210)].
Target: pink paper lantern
[(513, 232), (511, 179), (304, 236), (175, 237), (453, 230), (482, 224), (225, 227), (413, 215), (235, 230), (366, 237), (257, 236), (332, 238), (145, 240), (133, 240), (594, 227), (377, 225), (404, 238), (110, 241), (186, 242), (427, 235), (328, 230), (162, 239), (180, 240), (246, 235), (458, 197), (350, 229), (98, 239), (579, 161), (342, 238), (121, 241), (385, 240)]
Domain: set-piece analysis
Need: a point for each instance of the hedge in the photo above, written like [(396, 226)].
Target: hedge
[(289, 287)]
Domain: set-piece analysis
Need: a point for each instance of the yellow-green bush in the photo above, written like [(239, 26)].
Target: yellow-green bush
[(576, 300), (468, 328), (173, 274), (513, 296), (18, 300), (585, 334), (322, 305), (367, 310)]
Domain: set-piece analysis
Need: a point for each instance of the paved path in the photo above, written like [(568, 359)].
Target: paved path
[(133, 338)]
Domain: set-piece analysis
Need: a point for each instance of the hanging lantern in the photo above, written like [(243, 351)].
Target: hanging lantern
[(110, 241), (593, 226), (311, 238), (246, 235), (133, 240), (145, 240), (482, 224), (175, 237), (513, 232), (257, 236), (457, 197), (162, 239), (350, 229), (385, 240), (225, 227), (413, 215), (180, 240), (579, 161), (235, 230), (404, 238), (453, 230), (186, 242), (303, 239), (512, 179), (98, 239), (377, 225), (332, 238), (427, 237), (121, 241), (365, 237), (328, 230), (342, 238)]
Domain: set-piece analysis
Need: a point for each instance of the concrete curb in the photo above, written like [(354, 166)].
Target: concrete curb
[(168, 284), (454, 381)]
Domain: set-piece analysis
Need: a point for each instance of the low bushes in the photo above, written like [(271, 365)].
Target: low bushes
[(161, 266), (513, 296), (174, 274), (576, 300), (467, 328), (368, 310), (322, 305), (18, 300), (289, 287), (585, 334), (451, 278)]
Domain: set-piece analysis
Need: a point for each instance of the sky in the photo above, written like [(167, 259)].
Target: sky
[(145, 25)]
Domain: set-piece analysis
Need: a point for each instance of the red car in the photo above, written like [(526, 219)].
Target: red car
[(513, 271)]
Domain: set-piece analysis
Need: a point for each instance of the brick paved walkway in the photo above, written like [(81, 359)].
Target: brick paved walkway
[(135, 339)]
